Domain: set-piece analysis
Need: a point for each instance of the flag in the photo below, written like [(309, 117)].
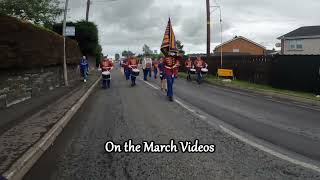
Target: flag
[(169, 44)]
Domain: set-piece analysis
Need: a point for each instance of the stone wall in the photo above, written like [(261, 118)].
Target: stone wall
[(18, 85)]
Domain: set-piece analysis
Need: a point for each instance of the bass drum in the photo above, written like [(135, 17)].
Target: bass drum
[(193, 71), (204, 71), (135, 72), (106, 75)]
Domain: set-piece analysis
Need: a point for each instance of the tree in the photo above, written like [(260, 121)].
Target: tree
[(180, 47), (87, 37), (126, 53), (42, 12), (146, 50), (117, 56)]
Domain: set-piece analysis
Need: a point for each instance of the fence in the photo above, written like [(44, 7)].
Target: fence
[(294, 72)]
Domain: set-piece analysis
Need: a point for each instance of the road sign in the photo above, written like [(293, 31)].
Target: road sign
[(225, 72), (70, 31)]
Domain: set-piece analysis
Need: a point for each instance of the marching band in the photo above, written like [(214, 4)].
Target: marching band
[(168, 66)]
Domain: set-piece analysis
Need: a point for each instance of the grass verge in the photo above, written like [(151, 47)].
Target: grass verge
[(255, 87)]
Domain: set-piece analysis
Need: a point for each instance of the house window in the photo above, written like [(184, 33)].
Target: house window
[(295, 44), (299, 44), (292, 44), (236, 50)]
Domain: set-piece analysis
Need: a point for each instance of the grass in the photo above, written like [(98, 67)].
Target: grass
[(255, 87)]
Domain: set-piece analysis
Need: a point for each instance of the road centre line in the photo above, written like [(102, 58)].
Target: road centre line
[(270, 151)]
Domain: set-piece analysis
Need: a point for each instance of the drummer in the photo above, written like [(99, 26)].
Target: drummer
[(199, 64), (133, 64), (188, 65), (171, 64), (106, 65)]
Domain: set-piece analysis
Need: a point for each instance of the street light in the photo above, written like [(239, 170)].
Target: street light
[(221, 31), (65, 73), (89, 3)]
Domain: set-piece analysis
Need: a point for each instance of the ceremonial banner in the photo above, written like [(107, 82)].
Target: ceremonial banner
[(169, 44)]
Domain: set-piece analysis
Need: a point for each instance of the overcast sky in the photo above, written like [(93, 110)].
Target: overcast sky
[(129, 24)]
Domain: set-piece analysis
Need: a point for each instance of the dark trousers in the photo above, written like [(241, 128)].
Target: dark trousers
[(127, 73), (170, 81), (84, 73), (199, 77), (145, 73), (189, 75), (106, 83), (133, 78), (155, 72)]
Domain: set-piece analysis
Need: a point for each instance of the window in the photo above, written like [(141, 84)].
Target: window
[(292, 44), (236, 50), (299, 44), (295, 44)]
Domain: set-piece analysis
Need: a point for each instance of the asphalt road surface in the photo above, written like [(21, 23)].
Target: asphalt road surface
[(143, 113)]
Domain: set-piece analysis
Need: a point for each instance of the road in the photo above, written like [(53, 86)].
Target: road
[(143, 113)]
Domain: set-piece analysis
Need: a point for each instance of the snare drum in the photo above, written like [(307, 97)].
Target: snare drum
[(106, 75), (204, 71), (135, 72), (193, 71)]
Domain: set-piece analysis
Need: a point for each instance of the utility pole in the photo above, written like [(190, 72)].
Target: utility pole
[(65, 73), (208, 28), (88, 10), (221, 58)]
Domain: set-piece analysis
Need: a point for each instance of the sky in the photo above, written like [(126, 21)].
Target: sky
[(129, 24)]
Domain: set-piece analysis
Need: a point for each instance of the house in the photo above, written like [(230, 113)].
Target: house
[(240, 45), (302, 41)]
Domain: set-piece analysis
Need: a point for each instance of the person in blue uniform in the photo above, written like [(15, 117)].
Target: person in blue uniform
[(84, 68)]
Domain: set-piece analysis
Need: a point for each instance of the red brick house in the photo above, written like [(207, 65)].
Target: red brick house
[(240, 45)]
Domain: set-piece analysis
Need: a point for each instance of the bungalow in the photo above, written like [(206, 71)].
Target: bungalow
[(302, 41), (240, 46)]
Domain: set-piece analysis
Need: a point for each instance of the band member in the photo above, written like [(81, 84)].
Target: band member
[(106, 66), (84, 68), (199, 63), (171, 65), (155, 66), (162, 75), (188, 65), (146, 66), (133, 65), (126, 68)]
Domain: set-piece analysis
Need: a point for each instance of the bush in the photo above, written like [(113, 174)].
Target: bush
[(86, 36)]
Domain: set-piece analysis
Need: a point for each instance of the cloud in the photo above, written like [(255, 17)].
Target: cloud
[(128, 24)]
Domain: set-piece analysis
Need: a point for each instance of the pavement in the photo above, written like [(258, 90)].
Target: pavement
[(27, 122), (143, 113)]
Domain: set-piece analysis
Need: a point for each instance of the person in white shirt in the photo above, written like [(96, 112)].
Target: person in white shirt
[(146, 66)]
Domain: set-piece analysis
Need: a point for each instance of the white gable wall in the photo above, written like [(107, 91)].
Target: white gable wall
[(309, 47)]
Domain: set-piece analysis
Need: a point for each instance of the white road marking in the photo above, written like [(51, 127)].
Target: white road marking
[(153, 86), (179, 102), (190, 109), (247, 141), (270, 151)]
